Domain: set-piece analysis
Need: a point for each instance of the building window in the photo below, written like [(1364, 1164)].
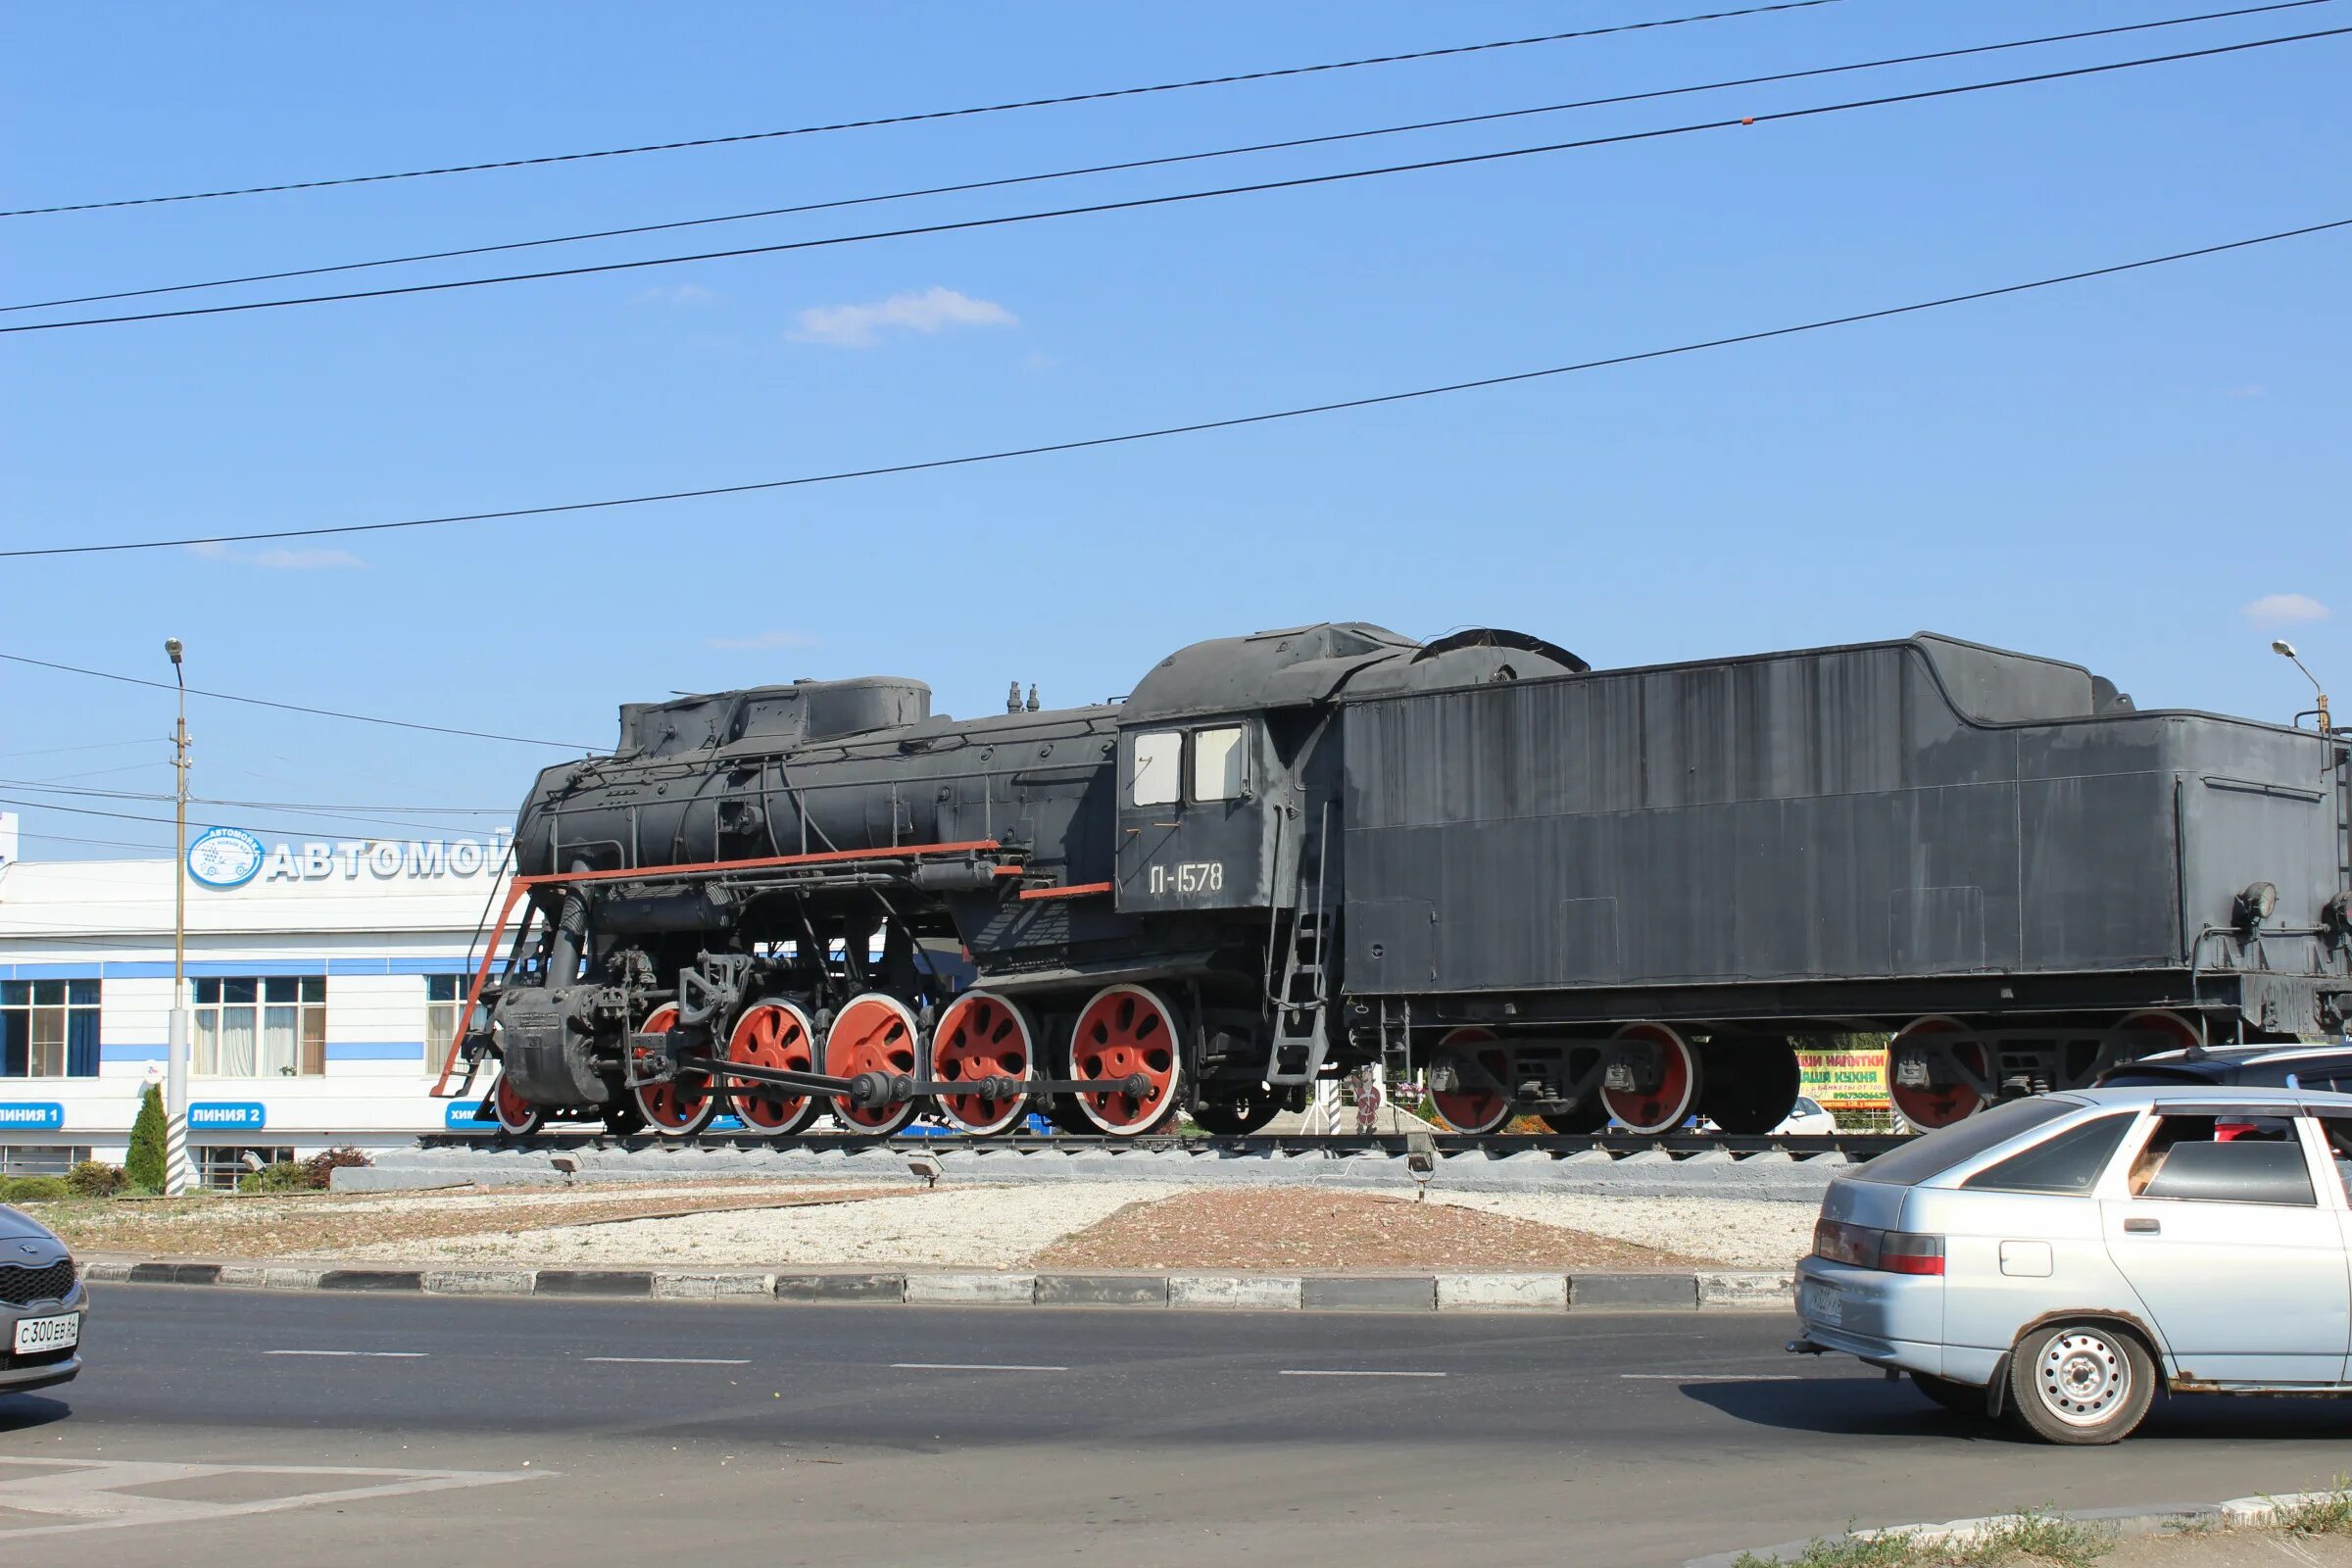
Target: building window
[(219, 1165), (444, 1003), (48, 1028), (41, 1159), (274, 1028)]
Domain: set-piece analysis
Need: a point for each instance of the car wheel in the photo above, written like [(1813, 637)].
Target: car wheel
[(2081, 1383), (1961, 1399)]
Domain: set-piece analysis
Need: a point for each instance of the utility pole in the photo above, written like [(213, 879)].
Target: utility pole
[(175, 1073)]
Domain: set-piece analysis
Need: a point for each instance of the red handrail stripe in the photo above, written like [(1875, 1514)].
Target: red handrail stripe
[(1075, 890)]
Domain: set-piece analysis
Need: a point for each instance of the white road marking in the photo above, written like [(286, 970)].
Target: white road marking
[(1354, 1372), (94, 1493), (667, 1360), (386, 1356), (1712, 1377), (966, 1366)]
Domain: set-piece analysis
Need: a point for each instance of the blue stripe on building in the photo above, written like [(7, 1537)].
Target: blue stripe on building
[(109, 1052), (144, 969), (374, 1051)]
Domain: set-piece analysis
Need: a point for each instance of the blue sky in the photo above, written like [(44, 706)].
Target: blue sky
[(2111, 472)]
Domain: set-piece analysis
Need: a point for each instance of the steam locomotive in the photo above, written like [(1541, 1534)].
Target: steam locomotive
[(1587, 895)]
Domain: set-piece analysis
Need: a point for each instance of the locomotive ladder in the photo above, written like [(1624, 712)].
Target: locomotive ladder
[(1300, 1002)]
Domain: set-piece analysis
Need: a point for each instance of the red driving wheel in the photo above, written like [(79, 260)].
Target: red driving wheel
[(1124, 1032), (681, 1107), (874, 1033), (776, 1035), (982, 1036)]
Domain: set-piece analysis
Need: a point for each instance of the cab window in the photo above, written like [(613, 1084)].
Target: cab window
[(2223, 1160), (1159, 768), (1217, 764)]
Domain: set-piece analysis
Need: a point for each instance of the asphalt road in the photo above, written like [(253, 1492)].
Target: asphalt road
[(284, 1427)]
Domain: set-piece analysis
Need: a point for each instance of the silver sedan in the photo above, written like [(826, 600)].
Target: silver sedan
[(2065, 1259), (43, 1302)]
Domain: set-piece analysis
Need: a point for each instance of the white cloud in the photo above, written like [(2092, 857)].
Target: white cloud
[(2286, 609), (278, 560), (679, 294), (758, 641), (856, 326)]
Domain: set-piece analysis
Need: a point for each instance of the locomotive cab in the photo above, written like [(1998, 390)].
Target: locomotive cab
[(1196, 818)]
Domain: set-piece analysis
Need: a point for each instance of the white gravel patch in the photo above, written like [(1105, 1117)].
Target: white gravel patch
[(1740, 1232), (977, 1227)]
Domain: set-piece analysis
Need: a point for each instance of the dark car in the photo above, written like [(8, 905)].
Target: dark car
[(41, 1306), (2289, 1066)]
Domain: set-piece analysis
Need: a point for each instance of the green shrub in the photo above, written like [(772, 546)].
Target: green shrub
[(95, 1178), (33, 1188), (284, 1176), (145, 1167)]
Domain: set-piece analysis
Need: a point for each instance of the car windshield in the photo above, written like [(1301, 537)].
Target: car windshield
[(1938, 1152)]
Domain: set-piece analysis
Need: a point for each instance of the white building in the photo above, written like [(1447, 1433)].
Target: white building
[(324, 980)]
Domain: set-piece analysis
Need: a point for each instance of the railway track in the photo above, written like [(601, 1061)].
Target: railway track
[(1329, 1146)]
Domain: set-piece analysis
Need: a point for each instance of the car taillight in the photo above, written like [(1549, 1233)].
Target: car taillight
[(1864, 1246), (1902, 1252)]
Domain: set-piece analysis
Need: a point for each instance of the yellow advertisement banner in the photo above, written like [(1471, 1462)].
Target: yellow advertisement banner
[(1844, 1080)]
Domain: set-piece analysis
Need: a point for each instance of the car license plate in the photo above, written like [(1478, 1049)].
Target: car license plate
[(1824, 1305), (48, 1333)]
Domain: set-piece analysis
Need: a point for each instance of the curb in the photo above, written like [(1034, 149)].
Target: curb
[(1185, 1290), (2236, 1513)]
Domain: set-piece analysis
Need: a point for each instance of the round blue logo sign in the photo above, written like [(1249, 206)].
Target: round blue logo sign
[(224, 858)]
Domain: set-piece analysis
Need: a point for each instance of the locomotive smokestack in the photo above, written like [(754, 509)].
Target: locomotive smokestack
[(1012, 699), (1033, 696)]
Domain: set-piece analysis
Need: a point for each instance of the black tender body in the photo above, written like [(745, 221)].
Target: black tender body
[(1540, 886)]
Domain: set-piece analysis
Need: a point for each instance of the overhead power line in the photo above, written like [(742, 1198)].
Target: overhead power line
[(1131, 164), (333, 807), (1097, 96), (1197, 427), (292, 708), (1132, 204), (133, 816)]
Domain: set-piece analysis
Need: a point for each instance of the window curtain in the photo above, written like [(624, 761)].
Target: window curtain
[(81, 1042), (236, 1042)]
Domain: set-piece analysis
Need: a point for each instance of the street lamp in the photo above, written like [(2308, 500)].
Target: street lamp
[(2286, 650), (176, 1071)]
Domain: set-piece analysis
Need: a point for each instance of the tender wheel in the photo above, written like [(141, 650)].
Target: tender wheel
[(682, 1107), (1124, 1031), (1949, 1083), (2081, 1383), (983, 1035), (874, 1033), (1961, 1399), (517, 1117), (1751, 1082), (777, 1035), (1236, 1113), (2178, 1032), (1660, 1078), (1475, 1104)]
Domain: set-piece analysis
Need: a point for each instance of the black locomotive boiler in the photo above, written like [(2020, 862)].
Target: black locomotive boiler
[(1551, 890)]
